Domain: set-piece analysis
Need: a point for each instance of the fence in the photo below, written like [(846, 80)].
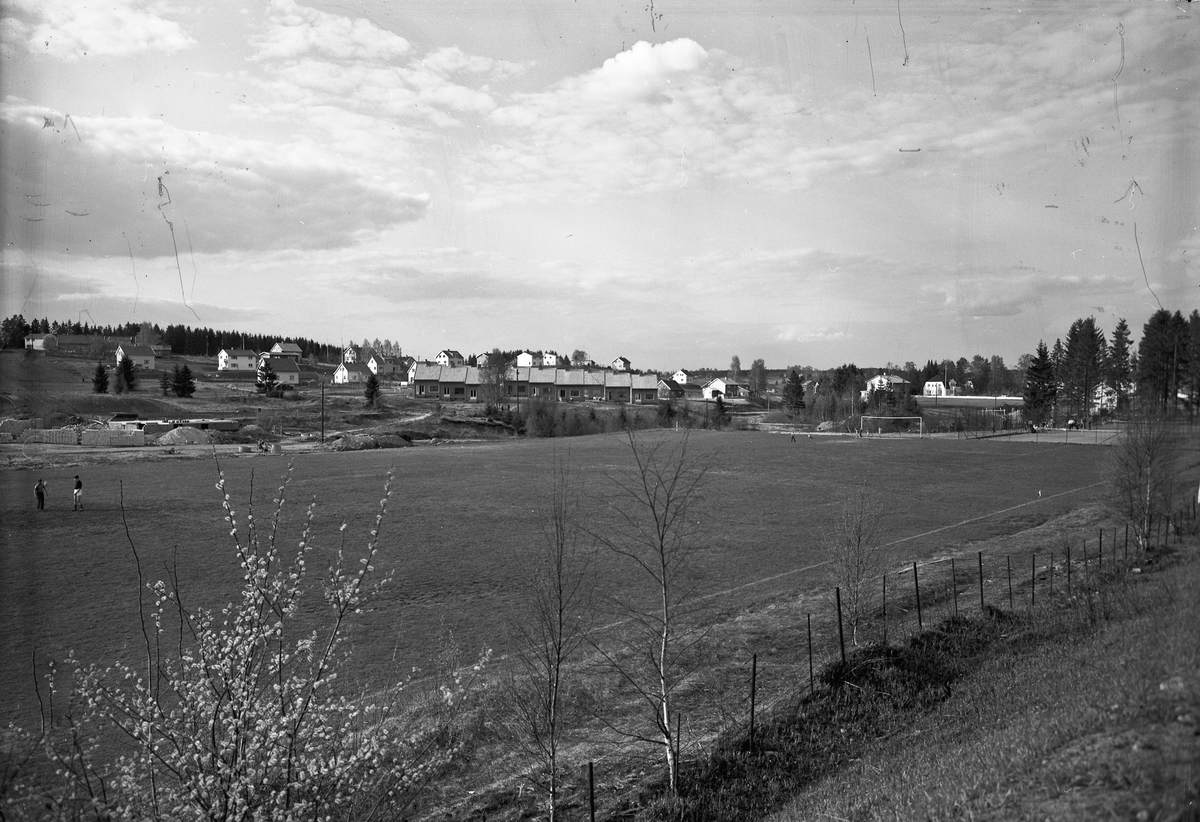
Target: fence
[(919, 594)]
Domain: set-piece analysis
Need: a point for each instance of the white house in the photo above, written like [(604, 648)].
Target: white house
[(621, 364), (141, 355), (721, 387), (351, 353), (450, 357), (550, 359), (286, 369), (525, 360), (41, 342), (286, 349), (880, 382), (236, 359), (934, 388), (351, 372), (682, 377)]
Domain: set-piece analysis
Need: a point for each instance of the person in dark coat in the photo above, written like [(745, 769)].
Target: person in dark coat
[(78, 493), (40, 491)]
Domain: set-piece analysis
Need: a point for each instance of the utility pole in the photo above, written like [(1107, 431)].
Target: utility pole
[(322, 379)]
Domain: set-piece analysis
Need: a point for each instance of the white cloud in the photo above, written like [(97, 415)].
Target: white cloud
[(294, 30), (71, 29), (223, 192)]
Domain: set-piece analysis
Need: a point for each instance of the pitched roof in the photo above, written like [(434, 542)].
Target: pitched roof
[(131, 350), (238, 352), (644, 382), (356, 367), (286, 348), (427, 371), (282, 364)]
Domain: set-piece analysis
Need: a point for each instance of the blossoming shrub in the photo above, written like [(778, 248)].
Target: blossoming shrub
[(238, 716)]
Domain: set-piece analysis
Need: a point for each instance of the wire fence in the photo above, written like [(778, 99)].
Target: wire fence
[(911, 598)]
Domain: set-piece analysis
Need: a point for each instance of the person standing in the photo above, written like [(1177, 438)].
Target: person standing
[(40, 490), (78, 493)]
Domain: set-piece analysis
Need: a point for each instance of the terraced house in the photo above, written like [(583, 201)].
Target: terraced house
[(467, 384)]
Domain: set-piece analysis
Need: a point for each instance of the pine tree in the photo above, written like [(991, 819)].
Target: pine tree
[(793, 392), (100, 379), (1084, 366), (1162, 353), (1041, 388), (164, 382), (182, 382)]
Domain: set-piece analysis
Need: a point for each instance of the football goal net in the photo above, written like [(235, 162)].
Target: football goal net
[(892, 426)]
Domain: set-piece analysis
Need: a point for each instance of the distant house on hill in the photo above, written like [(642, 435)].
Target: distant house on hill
[(352, 372), (934, 388), (881, 382), (285, 368), (621, 364), (286, 349), (450, 357), (236, 359), (41, 342), (721, 387), (525, 360), (351, 353), (142, 356)]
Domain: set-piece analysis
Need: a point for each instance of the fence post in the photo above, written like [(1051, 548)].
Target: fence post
[(1085, 564), (1032, 579), (841, 637), (917, 589), (812, 685), (678, 748), (980, 553), (592, 791), (1127, 538), (753, 695), (1100, 561), (885, 624), (954, 585), (1125, 553), (1102, 545), (1008, 562), (1051, 575), (1068, 567)]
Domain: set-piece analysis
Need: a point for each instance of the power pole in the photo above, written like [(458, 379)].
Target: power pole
[(322, 379)]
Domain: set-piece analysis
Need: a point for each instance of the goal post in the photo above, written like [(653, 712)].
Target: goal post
[(876, 426)]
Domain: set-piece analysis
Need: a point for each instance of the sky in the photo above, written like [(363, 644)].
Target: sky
[(807, 183)]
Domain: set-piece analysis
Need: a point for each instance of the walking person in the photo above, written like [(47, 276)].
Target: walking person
[(40, 490), (78, 493)]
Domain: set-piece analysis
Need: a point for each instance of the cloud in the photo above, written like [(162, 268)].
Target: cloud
[(219, 192), (294, 30), (71, 29)]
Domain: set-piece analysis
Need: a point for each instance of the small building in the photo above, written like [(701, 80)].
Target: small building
[(721, 387), (451, 358), (352, 372), (286, 349), (934, 388), (425, 377), (142, 356), (643, 388), (525, 360), (621, 364), (41, 342), (682, 377), (550, 359), (236, 359), (351, 353)]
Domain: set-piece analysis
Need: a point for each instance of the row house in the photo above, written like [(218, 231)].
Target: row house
[(465, 383)]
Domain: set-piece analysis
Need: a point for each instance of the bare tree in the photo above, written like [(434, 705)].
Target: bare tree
[(855, 556), (493, 378), (556, 621), (654, 527), (1139, 474)]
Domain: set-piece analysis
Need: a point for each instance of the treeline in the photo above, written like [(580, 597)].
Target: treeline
[(182, 339), (1090, 375)]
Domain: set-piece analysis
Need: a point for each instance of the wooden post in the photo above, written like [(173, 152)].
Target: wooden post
[(1127, 538), (1008, 562), (954, 585), (1051, 575), (678, 747), (592, 791), (812, 685), (753, 695), (980, 554), (885, 622), (841, 636), (1032, 580), (917, 589), (1068, 569)]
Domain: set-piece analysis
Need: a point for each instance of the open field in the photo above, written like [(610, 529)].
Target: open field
[(462, 525)]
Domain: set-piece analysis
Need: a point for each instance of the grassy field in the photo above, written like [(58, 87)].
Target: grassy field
[(463, 522)]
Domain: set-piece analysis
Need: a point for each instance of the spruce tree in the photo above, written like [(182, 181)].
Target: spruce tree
[(266, 378), (1041, 388), (100, 379), (793, 392), (164, 382), (1120, 365), (126, 378), (371, 390), (182, 382)]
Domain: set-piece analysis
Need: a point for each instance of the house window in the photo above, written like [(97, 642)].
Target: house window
[(445, 390), (474, 394), (458, 391), (574, 392), (521, 389)]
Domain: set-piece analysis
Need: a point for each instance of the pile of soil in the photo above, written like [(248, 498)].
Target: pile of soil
[(830, 425), (253, 433), (187, 435), (364, 442)]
